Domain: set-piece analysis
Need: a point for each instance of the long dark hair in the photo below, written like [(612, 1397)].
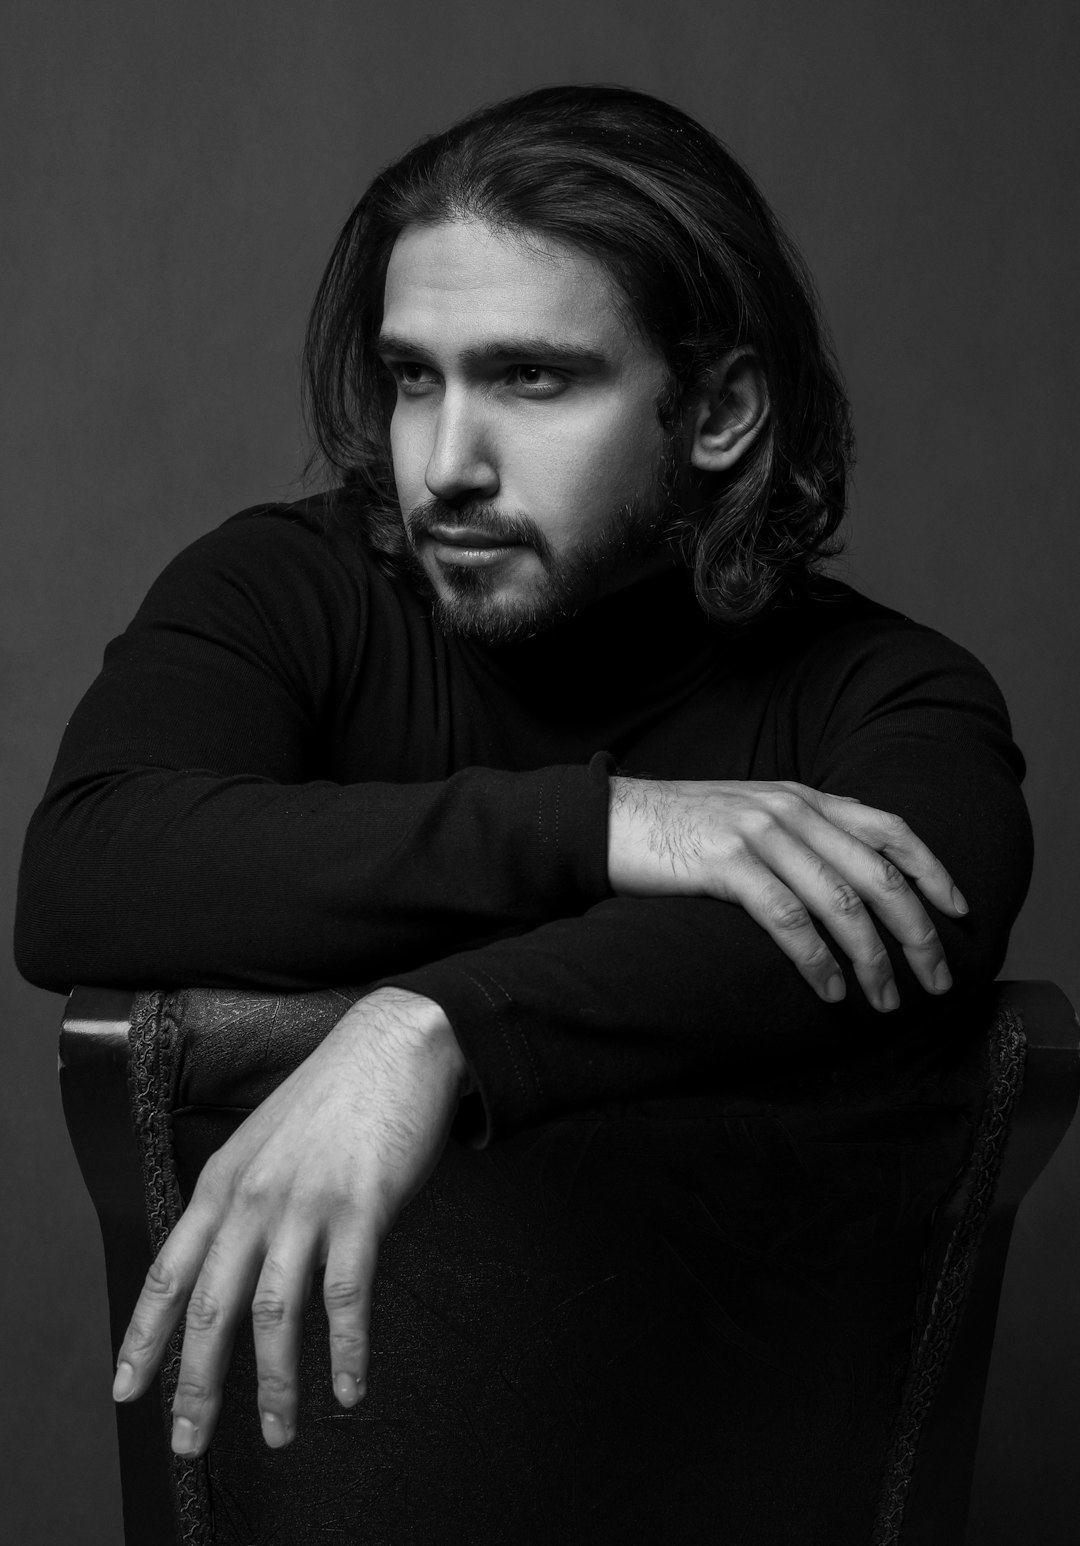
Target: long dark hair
[(703, 265)]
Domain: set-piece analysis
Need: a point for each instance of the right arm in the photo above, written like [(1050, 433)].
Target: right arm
[(188, 835)]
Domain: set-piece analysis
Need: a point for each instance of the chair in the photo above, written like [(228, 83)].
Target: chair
[(152, 1082)]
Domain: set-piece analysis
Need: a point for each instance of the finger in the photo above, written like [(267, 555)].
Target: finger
[(350, 1272), (882, 885), (783, 916), (890, 835), (277, 1315), (160, 1306), (224, 1286), (853, 865), (828, 896)]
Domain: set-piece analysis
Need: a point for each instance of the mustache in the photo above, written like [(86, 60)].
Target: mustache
[(484, 519)]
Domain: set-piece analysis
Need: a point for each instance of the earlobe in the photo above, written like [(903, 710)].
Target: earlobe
[(729, 414)]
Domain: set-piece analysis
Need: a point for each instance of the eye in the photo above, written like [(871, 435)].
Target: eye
[(412, 378), (536, 380)]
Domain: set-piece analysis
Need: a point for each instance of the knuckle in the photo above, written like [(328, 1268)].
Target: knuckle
[(342, 1294), (204, 1312), (925, 937), (269, 1311), (160, 1281), (755, 823), (191, 1393), (139, 1341), (818, 958), (895, 827), (789, 917), (846, 901), (786, 800), (889, 879), (875, 960), (250, 1189), (274, 1384), (345, 1344)]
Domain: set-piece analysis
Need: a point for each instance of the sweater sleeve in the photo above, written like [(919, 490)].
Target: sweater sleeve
[(184, 837), (638, 997)]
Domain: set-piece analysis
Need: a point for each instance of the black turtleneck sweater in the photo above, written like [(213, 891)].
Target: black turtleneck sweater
[(285, 777)]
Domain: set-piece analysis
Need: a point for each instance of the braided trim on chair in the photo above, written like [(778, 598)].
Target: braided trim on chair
[(1006, 1076), (152, 1039)]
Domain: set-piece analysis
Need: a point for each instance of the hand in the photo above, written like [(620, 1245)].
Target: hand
[(788, 855), (316, 1174)]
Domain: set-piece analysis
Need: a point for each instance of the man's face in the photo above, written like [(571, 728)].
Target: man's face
[(531, 466)]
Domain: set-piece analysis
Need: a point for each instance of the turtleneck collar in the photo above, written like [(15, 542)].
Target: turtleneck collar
[(642, 642)]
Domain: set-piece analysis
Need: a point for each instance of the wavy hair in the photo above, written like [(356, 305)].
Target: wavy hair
[(703, 266)]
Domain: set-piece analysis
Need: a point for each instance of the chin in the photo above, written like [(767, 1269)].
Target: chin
[(493, 616)]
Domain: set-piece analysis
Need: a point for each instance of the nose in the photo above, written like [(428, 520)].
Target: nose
[(461, 464)]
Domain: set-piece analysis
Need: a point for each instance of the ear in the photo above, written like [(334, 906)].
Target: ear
[(728, 414)]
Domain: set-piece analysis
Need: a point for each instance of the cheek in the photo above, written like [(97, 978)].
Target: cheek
[(609, 461), (408, 455)]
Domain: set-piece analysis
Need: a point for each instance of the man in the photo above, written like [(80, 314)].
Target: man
[(545, 727)]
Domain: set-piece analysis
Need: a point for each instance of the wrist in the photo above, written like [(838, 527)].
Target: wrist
[(635, 818), (423, 1025)]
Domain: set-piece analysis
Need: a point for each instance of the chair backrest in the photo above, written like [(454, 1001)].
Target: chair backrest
[(94, 1084), (1029, 1095), (119, 1089)]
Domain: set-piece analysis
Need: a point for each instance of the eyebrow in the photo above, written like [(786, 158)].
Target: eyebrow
[(506, 350)]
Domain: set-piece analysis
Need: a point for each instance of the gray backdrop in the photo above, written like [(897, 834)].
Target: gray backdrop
[(174, 176)]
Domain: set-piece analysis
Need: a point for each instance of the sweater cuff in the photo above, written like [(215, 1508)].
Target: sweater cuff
[(572, 819), (508, 1093), (572, 814)]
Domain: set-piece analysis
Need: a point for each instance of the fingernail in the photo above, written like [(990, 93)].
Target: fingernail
[(274, 1430), (185, 1436), (835, 989), (942, 978), (123, 1385), (347, 1389), (888, 998), (958, 902)]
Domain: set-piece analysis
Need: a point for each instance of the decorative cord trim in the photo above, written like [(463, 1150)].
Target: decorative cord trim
[(152, 1042), (1008, 1048)]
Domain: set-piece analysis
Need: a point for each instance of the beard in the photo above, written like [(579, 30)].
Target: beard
[(467, 602)]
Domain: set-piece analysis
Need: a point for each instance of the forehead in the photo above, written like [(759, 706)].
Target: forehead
[(460, 285)]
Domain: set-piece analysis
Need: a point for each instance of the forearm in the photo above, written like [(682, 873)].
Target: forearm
[(261, 789), (645, 996), (158, 876)]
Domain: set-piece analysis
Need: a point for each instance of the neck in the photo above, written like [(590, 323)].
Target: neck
[(627, 644)]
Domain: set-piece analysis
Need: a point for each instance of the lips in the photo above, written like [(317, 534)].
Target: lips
[(467, 537), (464, 547)]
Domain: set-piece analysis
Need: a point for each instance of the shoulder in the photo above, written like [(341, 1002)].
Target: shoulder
[(295, 558), (839, 639), (291, 586), (845, 665), (265, 541)]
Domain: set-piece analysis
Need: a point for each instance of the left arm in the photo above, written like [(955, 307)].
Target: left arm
[(644, 996)]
